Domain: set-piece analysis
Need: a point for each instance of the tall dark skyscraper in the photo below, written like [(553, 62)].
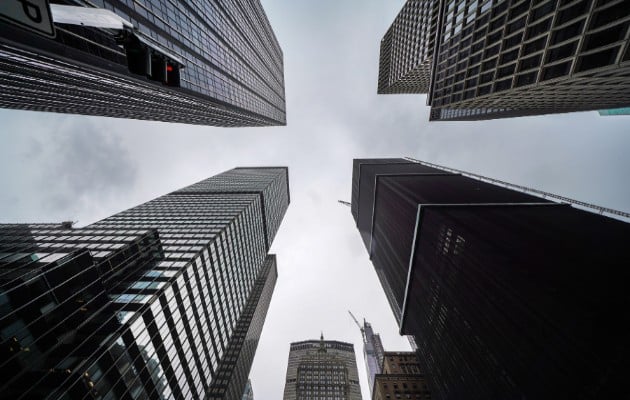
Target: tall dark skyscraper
[(508, 295), (322, 369), (211, 62), (496, 59), (164, 300)]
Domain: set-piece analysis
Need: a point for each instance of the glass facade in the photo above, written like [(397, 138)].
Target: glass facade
[(248, 394), (506, 294), (201, 62), (164, 300), (372, 352), (322, 369), (506, 58)]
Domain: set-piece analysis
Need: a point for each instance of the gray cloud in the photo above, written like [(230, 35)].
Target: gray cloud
[(84, 163), (55, 166)]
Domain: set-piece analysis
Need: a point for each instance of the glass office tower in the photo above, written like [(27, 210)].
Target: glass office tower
[(322, 369), (203, 62), (508, 58), (372, 352), (164, 300), (508, 294)]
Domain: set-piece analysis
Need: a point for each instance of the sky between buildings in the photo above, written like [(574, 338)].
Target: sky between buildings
[(56, 167)]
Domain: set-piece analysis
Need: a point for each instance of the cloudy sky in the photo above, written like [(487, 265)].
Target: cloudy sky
[(56, 167)]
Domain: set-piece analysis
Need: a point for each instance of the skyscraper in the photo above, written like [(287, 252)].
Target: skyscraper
[(407, 49), (210, 63), (164, 300), (496, 59), (373, 353), (507, 294), (372, 350), (400, 378), (321, 369)]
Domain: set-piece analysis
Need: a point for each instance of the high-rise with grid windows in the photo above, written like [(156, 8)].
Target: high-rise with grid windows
[(199, 62), (407, 49), (322, 369), (509, 294), (508, 58), (165, 300)]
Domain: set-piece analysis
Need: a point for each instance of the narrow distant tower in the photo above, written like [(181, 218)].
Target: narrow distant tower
[(372, 350), (322, 369)]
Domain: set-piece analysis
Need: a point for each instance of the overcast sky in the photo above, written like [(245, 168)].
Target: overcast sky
[(56, 167)]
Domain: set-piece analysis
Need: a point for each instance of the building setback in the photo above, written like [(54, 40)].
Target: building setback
[(508, 295), (164, 300), (319, 369), (401, 378), (496, 59), (209, 63)]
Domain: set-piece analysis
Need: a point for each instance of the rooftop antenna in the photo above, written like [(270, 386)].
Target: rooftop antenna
[(322, 346), (345, 203)]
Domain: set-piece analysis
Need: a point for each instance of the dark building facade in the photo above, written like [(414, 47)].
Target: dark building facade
[(210, 63), (322, 369), (509, 58), (508, 295), (164, 300)]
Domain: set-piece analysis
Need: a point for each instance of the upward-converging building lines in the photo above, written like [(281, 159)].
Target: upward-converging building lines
[(210, 62), (164, 300), (507, 294), (484, 59)]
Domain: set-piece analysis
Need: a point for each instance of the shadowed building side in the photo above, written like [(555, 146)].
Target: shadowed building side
[(507, 295), (242, 348)]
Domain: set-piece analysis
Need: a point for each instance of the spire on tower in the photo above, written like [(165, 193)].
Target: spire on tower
[(322, 346)]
